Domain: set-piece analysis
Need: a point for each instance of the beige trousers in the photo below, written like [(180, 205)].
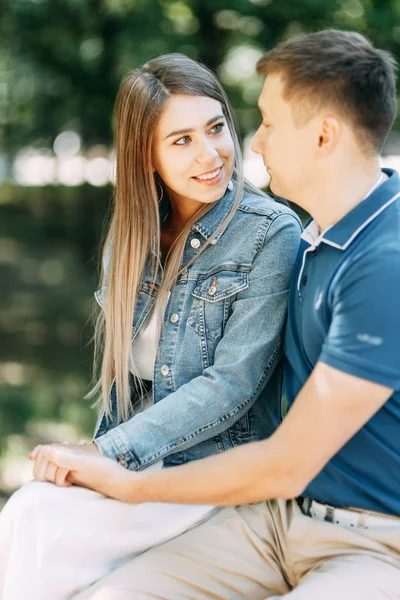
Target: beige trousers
[(260, 551)]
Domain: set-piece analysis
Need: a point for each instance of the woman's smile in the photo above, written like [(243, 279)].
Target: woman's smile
[(210, 177)]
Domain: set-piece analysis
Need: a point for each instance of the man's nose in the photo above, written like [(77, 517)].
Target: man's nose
[(255, 144)]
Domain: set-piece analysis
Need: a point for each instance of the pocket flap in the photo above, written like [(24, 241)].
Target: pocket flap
[(221, 284)]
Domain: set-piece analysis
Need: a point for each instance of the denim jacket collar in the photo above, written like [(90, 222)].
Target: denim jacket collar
[(209, 222)]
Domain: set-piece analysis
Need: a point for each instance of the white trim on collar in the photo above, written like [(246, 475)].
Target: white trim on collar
[(359, 229), (312, 235)]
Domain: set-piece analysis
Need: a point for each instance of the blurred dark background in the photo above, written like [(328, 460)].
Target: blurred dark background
[(61, 62)]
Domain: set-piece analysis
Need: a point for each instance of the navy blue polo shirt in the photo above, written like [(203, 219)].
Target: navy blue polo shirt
[(344, 310)]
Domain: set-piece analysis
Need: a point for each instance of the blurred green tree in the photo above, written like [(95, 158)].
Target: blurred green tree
[(62, 60)]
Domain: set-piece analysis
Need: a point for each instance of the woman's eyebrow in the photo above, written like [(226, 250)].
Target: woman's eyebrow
[(186, 131)]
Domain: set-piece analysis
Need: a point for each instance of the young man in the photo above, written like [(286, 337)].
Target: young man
[(328, 103)]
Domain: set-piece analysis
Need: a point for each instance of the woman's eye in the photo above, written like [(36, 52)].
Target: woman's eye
[(218, 128), (182, 141)]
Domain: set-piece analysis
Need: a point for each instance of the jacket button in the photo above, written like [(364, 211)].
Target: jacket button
[(121, 461), (174, 318), (195, 243), (212, 290), (164, 370)]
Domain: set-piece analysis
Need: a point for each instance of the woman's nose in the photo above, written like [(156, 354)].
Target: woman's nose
[(206, 151)]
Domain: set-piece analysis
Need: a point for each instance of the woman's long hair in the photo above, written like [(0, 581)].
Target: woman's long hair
[(134, 234)]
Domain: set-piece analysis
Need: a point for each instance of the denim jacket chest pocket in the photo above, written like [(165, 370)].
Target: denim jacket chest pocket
[(213, 296)]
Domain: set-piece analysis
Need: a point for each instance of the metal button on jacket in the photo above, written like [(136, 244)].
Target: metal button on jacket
[(195, 243), (164, 370), (174, 318)]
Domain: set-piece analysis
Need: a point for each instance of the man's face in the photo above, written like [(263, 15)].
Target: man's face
[(287, 147)]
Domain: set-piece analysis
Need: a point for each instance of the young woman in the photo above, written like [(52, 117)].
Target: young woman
[(201, 261)]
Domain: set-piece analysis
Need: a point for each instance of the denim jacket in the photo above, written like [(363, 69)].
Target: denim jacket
[(217, 379)]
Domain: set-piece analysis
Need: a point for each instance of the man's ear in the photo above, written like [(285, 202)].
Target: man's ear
[(329, 134)]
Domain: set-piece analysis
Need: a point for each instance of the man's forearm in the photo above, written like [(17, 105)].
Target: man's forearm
[(329, 410), (239, 476)]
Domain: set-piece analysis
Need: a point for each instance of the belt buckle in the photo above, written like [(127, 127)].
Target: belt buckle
[(305, 505), (329, 513)]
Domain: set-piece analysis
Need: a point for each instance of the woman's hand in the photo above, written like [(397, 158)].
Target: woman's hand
[(82, 465)]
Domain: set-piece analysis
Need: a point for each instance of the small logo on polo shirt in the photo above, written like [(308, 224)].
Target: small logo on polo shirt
[(369, 339), (319, 300)]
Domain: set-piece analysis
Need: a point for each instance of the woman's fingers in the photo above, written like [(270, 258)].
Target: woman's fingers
[(61, 478), (51, 472), (40, 467), (47, 470), (34, 453)]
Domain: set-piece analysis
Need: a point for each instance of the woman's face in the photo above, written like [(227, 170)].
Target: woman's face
[(193, 150)]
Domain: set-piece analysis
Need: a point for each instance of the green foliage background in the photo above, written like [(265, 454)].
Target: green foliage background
[(61, 62)]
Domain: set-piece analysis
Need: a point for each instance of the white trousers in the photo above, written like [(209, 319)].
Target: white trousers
[(55, 542)]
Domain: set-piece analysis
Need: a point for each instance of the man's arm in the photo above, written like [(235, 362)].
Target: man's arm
[(331, 407)]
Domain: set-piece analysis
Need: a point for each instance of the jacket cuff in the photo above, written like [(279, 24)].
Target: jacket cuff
[(112, 445)]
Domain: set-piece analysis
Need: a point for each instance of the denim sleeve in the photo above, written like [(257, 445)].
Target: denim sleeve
[(363, 338), (244, 360)]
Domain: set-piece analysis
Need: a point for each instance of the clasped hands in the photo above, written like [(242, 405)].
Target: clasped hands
[(47, 465), (80, 464)]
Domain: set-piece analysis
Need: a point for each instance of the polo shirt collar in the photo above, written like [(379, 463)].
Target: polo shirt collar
[(347, 229)]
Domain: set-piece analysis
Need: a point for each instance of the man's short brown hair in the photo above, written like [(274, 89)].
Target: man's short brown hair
[(343, 70)]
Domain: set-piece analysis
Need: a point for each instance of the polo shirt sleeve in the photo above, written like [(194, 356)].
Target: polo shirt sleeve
[(364, 333)]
